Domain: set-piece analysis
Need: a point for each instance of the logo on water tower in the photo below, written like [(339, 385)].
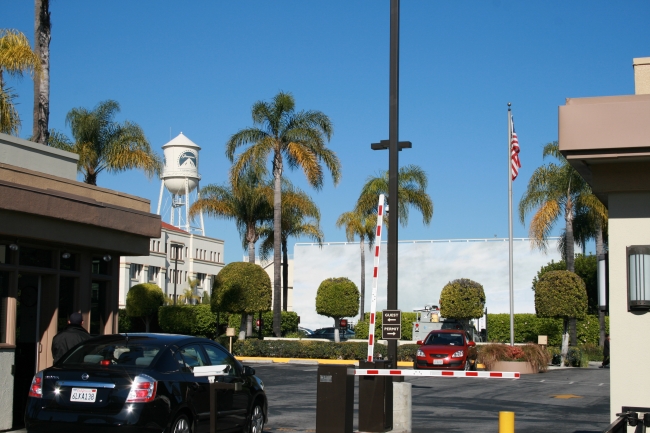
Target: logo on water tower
[(187, 158)]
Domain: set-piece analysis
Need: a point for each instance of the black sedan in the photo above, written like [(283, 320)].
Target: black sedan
[(328, 334), (144, 383)]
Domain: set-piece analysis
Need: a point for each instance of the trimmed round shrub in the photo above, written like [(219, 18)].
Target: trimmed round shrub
[(143, 300), (561, 294), (241, 287), (337, 297), (462, 299)]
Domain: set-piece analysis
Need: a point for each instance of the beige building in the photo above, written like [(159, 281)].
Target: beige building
[(607, 139), (60, 247)]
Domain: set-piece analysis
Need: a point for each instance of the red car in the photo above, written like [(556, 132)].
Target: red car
[(445, 349)]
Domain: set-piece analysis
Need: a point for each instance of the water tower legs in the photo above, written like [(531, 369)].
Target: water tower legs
[(162, 188)]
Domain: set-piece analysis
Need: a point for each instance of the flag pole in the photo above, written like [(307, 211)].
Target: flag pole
[(512, 303)]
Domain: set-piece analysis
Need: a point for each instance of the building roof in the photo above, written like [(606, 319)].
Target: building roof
[(181, 140), (171, 227)]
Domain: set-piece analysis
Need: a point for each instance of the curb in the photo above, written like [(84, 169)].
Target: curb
[(261, 360)]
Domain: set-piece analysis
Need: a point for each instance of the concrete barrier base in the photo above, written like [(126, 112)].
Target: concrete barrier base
[(402, 411)]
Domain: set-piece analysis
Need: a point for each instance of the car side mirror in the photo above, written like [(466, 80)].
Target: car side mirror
[(419, 342), (248, 371)]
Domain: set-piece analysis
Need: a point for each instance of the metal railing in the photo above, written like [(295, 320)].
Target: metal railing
[(638, 417)]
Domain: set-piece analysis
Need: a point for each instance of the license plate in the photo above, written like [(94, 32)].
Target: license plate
[(437, 362), (83, 395)]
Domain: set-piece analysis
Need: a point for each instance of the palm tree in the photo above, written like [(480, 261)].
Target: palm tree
[(103, 144), (282, 134), (42, 37), (554, 190), (412, 185), (300, 217), (16, 57), (363, 226), (248, 202)]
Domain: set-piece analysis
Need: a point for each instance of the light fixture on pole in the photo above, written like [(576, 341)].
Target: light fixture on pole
[(602, 282), (176, 247), (638, 277)]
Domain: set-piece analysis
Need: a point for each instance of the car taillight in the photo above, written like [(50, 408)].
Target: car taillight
[(143, 389), (36, 388)]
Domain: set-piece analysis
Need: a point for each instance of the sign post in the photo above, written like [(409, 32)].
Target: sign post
[(391, 325)]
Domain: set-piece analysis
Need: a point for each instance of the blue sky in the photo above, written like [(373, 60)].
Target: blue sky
[(197, 67)]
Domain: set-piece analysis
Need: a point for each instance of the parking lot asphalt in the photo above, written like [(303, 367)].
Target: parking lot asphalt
[(574, 400)]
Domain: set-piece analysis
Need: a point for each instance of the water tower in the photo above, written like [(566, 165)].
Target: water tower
[(180, 176)]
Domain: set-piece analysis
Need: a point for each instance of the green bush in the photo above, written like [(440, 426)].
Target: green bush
[(462, 299), (143, 300), (337, 298), (316, 349), (561, 294), (197, 320), (289, 323), (124, 321), (241, 287), (529, 326), (361, 328)]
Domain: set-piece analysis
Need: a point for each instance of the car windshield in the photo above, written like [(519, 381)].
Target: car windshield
[(444, 339), (116, 352)]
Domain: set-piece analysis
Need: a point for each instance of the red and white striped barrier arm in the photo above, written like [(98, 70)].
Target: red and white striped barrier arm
[(438, 373), (375, 275)]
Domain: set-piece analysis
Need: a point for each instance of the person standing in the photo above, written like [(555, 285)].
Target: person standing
[(605, 352), (72, 335)]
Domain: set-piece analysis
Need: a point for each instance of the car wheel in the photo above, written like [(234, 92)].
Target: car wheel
[(468, 365), (181, 425), (255, 420)]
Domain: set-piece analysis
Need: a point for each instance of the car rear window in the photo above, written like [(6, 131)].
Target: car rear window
[(445, 339), (113, 353)]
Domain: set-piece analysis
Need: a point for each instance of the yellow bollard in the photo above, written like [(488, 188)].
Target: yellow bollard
[(506, 422)]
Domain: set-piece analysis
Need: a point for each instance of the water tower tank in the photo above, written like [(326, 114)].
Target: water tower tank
[(181, 164)]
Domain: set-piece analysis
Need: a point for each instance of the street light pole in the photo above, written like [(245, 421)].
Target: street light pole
[(393, 168), (175, 269)]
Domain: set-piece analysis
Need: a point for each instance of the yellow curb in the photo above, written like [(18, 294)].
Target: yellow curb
[(320, 361)]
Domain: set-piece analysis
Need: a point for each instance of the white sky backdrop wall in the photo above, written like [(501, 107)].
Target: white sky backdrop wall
[(424, 268)]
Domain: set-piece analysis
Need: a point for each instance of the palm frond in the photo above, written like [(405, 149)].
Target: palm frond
[(9, 118), (16, 54), (542, 223)]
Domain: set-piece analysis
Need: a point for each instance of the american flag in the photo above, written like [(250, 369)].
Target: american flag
[(515, 164)]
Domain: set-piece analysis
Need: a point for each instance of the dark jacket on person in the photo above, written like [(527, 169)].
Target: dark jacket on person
[(67, 339), (606, 348)]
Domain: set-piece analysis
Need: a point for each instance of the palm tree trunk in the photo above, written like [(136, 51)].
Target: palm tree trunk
[(285, 275), (277, 228), (363, 282), (570, 259), (570, 241), (565, 340), (42, 37), (251, 259), (251, 252), (599, 251)]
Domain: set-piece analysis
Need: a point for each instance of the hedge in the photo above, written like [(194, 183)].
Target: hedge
[(316, 349), (197, 320), (361, 328), (289, 322), (529, 326)]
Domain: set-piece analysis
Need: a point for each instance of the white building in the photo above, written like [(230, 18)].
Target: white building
[(199, 257)]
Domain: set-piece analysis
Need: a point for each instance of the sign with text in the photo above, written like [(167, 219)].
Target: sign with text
[(391, 324)]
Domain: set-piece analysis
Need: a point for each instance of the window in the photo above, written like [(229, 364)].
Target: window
[(220, 357), (186, 252), (4, 294), (158, 246), (219, 257), (135, 271), (201, 278), (153, 273), (35, 257), (192, 356), (196, 254)]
